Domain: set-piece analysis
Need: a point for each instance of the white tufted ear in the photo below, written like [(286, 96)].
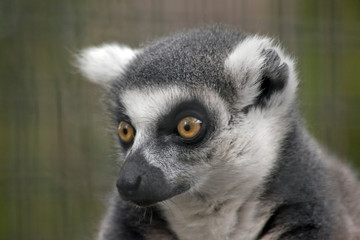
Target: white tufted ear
[(255, 60), (104, 63)]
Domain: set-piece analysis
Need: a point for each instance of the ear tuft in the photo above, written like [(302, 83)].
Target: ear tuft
[(262, 73), (104, 63)]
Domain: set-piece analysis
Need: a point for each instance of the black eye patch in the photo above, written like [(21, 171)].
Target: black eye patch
[(192, 108)]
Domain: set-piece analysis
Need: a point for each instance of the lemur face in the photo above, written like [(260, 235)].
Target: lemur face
[(192, 110), (167, 138)]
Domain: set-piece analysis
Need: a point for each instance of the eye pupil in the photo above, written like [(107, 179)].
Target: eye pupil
[(125, 131), (187, 127)]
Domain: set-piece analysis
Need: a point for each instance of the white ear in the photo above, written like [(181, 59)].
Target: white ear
[(248, 63), (104, 63)]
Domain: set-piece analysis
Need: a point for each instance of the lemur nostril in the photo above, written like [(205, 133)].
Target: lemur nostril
[(128, 188)]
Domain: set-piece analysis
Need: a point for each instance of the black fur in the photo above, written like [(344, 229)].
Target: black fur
[(144, 184), (167, 125), (274, 77), (129, 222)]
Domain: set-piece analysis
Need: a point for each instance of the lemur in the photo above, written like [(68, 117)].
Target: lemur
[(212, 146)]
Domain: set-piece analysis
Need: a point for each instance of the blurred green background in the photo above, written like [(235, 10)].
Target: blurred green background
[(56, 162)]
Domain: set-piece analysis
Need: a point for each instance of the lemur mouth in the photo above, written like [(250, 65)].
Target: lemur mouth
[(152, 200), (144, 204)]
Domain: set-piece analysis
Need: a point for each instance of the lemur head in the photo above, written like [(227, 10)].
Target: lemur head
[(199, 113)]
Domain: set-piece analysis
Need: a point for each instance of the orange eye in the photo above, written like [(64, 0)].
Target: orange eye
[(126, 132), (189, 127)]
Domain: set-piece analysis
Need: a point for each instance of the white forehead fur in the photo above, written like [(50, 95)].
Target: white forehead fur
[(147, 105), (104, 63), (245, 64)]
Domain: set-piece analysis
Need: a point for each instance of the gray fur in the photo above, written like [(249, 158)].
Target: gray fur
[(183, 59), (255, 173)]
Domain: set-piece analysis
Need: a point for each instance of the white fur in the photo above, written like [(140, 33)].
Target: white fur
[(145, 106), (104, 63), (245, 64), (232, 219)]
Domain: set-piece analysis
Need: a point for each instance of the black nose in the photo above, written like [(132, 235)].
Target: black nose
[(143, 184), (131, 176), (128, 186)]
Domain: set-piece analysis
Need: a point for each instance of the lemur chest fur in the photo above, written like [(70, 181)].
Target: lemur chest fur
[(232, 219)]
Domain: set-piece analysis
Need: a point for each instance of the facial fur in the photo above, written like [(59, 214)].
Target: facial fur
[(245, 86)]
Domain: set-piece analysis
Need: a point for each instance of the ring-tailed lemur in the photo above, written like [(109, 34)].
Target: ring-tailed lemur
[(212, 144)]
